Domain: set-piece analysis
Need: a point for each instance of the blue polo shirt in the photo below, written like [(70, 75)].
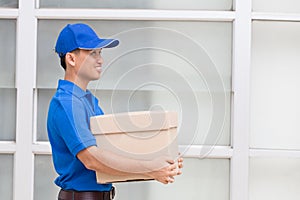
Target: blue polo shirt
[(68, 131)]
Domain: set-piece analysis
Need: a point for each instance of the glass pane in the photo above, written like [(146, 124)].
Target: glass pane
[(204, 131), (289, 6), (7, 54), (124, 101), (44, 175), (275, 93), (145, 4), (200, 180), (44, 97), (8, 118), (187, 49), (141, 100), (6, 174), (9, 4), (195, 77), (274, 178)]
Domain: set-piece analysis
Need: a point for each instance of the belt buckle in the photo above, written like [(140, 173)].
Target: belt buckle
[(112, 193)]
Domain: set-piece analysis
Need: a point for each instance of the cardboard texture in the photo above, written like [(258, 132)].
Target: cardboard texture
[(143, 135)]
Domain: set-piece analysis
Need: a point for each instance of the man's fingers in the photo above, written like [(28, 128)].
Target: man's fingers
[(170, 161), (180, 162), (172, 166), (180, 165), (170, 179), (174, 173)]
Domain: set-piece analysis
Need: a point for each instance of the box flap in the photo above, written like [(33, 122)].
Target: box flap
[(133, 122)]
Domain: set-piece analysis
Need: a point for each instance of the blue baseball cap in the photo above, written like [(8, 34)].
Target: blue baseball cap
[(80, 36)]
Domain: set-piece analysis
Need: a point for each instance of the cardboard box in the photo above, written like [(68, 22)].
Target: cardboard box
[(143, 135)]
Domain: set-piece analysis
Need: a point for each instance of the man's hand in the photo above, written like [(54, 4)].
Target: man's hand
[(161, 169), (180, 165), (166, 173)]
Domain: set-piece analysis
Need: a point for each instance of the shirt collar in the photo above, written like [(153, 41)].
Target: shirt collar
[(72, 88)]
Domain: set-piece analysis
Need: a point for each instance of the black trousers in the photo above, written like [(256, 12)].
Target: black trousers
[(89, 195)]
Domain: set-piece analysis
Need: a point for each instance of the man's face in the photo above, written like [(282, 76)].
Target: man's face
[(89, 64)]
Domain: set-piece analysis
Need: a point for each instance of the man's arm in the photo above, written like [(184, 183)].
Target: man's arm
[(100, 160)]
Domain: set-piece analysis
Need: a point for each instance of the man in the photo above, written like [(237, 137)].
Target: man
[(75, 154)]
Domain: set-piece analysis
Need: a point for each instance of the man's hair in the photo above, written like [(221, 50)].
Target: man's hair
[(63, 62), (63, 59)]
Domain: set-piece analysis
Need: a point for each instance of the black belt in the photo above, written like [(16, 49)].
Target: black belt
[(75, 195)]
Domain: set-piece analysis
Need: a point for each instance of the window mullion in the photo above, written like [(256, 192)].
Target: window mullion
[(241, 101), (25, 79), (127, 14)]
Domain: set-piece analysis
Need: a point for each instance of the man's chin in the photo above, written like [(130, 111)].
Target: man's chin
[(95, 78)]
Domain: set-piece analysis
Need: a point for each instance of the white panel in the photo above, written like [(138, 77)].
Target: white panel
[(140, 14), (145, 4), (264, 16), (274, 153), (201, 179), (275, 83), (196, 151), (7, 146), (6, 174), (44, 175), (292, 6), (274, 179), (8, 52)]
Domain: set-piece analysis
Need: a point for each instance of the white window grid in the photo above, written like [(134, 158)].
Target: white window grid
[(239, 152)]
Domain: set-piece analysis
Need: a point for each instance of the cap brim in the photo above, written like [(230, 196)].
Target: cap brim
[(109, 43), (100, 43)]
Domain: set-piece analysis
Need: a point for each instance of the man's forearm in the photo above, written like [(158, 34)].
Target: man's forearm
[(159, 169), (107, 162)]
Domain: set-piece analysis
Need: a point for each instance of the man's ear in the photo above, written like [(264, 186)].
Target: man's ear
[(70, 59)]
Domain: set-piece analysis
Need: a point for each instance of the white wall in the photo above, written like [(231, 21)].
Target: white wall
[(229, 68)]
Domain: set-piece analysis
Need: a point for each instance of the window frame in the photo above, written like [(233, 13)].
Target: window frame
[(239, 152)]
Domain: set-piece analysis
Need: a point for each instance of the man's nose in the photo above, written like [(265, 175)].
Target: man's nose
[(99, 59)]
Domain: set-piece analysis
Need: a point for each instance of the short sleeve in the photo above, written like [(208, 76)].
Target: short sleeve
[(72, 125), (98, 110)]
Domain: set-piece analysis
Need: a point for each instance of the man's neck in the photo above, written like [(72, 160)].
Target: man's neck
[(77, 81)]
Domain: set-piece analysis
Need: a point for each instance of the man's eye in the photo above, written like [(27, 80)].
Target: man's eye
[(94, 53)]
